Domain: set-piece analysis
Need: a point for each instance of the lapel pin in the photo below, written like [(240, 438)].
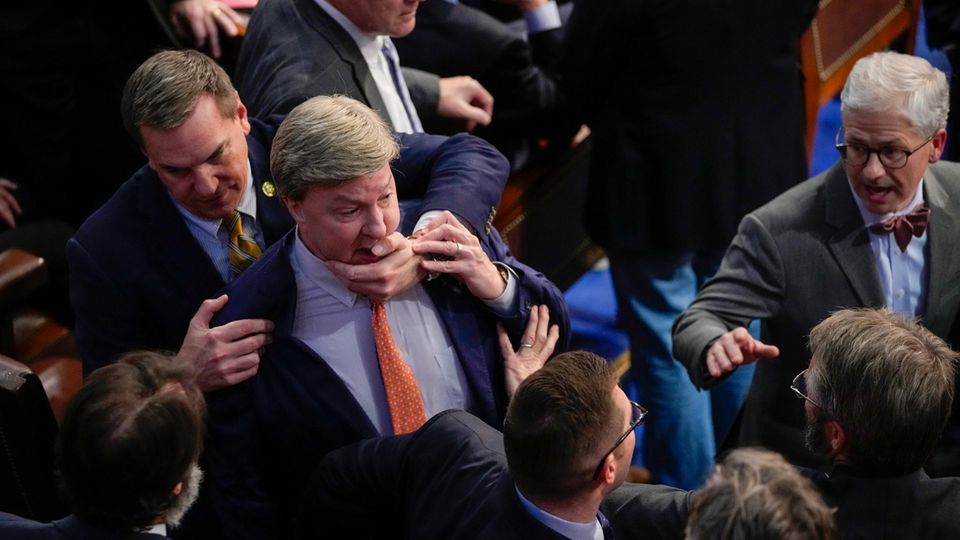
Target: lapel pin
[(269, 189)]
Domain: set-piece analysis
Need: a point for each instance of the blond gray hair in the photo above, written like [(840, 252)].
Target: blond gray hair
[(326, 141)]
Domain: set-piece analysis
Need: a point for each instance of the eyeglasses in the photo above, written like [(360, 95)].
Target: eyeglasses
[(638, 414), (799, 387), (891, 157)]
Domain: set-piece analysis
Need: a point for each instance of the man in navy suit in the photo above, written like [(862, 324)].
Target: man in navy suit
[(331, 376), (144, 263), (567, 441), (128, 452)]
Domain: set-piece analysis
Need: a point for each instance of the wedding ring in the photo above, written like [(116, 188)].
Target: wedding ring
[(458, 248), (527, 345), (216, 12)]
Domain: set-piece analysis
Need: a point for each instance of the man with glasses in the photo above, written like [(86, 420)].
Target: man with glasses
[(567, 442), (876, 397), (877, 229)]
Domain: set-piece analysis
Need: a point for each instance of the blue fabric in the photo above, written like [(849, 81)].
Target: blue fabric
[(685, 426)]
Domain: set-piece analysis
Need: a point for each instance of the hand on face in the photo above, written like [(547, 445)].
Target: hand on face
[(397, 270), (460, 255), (735, 348)]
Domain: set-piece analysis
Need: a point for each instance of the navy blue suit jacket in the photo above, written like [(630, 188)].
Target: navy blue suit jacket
[(68, 528), (267, 434), (137, 274), (449, 479)]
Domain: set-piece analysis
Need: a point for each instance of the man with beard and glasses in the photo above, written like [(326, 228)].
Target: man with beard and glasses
[(127, 452), (877, 395)]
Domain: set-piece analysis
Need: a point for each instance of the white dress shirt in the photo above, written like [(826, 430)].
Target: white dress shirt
[(903, 275), (215, 240), (371, 46)]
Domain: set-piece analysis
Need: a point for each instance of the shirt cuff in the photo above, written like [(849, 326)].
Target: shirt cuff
[(426, 218), (505, 304), (543, 18)]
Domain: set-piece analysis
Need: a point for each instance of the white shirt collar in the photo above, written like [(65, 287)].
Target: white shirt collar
[(869, 218), (248, 206), (159, 528), (313, 269), (369, 44)]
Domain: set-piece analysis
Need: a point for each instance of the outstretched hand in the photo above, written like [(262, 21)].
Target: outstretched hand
[(536, 345), (203, 20), (735, 348)]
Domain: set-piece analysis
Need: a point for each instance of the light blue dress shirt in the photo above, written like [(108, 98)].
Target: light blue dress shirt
[(570, 529), (903, 275)]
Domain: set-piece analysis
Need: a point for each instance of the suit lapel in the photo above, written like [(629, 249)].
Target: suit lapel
[(172, 244), (850, 242), (459, 312), (942, 256), (348, 51)]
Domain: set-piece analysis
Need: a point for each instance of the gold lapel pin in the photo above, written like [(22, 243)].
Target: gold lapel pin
[(269, 189)]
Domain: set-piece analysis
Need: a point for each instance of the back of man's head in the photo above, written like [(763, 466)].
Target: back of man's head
[(164, 90), (756, 494), (560, 422), (887, 381), (326, 141), (907, 85), (129, 437)]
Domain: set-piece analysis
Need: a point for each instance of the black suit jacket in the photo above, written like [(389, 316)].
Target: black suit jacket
[(912, 506), (68, 528), (294, 51), (456, 39), (696, 113), (449, 479)]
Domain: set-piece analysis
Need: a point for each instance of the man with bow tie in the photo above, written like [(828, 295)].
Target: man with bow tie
[(877, 229)]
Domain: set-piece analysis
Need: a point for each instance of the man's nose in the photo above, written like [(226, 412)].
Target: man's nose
[(375, 226), (873, 168), (205, 182)]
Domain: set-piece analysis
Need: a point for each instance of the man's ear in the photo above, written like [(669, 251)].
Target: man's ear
[(178, 489), (836, 437), (939, 141), (295, 208)]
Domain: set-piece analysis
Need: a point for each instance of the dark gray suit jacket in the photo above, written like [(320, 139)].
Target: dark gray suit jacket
[(793, 261), (294, 51)]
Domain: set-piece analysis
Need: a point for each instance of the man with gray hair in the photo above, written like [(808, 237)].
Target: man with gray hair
[(343, 367), (855, 236), (876, 397)]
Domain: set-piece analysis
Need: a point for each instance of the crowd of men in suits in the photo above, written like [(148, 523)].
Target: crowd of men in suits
[(355, 351)]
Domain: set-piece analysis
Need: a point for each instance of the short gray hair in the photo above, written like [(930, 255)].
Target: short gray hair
[(326, 141), (755, 493), (900, 83), (165, 89), (888, 381)]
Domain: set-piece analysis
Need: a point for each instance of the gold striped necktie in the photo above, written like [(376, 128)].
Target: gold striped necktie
[(243, 249)]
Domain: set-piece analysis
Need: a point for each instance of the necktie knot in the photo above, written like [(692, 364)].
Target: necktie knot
[(906, 226)]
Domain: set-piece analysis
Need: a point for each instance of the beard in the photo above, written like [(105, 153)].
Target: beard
[(183, 502), (814, 437)]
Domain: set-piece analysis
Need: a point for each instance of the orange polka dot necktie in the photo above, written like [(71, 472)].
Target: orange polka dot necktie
[(403, 392), (243, 248)]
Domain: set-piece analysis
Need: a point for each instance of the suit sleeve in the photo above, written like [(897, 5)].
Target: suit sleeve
[(356, 491), (642, 511), (108, 322), (462, 174), (533, 288), (749, 285)]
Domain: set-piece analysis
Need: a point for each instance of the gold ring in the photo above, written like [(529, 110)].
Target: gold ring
[(458, 248), (527, 345)]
